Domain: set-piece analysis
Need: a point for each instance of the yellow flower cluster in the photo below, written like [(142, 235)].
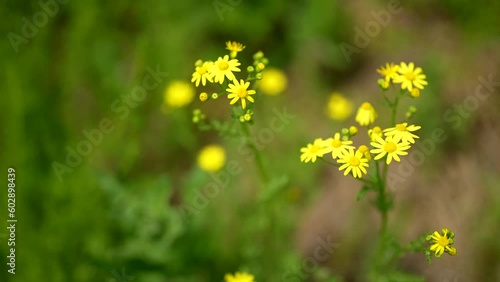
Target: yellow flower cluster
[(389, 143), (441, 243), (410, 77), (222, 71)]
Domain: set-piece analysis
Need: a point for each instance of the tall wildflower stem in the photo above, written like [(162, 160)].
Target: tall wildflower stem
[(258, 156)]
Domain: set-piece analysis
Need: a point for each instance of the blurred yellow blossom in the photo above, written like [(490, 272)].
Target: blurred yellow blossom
[(339, 107), (366, 114), (273, 82), (239, 277), (374, 133), (212, 158), (178, 94)]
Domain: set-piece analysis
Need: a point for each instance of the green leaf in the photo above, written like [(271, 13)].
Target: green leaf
[(362, 193)]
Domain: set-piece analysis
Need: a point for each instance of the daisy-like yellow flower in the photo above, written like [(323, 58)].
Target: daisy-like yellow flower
[(239, 277), (336, 146), (224, 67), (234, 47), (389, 147), (353, 162), (442, 243), (202, 74), (338, 107), (375, 132), (312, 151), (366, 114), (239, 91), (212, 158), (390, 71), (403, 132), (410, 77)]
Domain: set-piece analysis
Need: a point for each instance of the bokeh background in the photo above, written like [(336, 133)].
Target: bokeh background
[(117, 212)]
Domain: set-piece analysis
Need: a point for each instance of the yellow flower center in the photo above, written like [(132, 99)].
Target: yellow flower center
[(314, 149), (410, 76), (242, 92), (390, 147), (443, 241), (223, 65), (201, 70), (366, 106), (354, 161), (336, 143), (401, 127)]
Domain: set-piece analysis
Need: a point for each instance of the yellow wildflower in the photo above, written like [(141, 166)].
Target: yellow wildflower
[(312, 151), (366, 114), (374, 133), (202, 74), (403, 132), (390, 71), (224, 67), (178, 94), (238, 91), (410, 77), (239, 277), (353, 162), (234, 47), (389, 147), (442, 243), (212, 158), (338, 107), (273, 82), (336, 146)]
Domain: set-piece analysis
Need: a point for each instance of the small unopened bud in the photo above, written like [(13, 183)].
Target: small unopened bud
[(203, 96), (215, 96), (384, 84), (247, 117), (250, 69), (415, 93), (259, 55), (353, 130), (258, 76), (345, 131), (198, 63), (260, 67)]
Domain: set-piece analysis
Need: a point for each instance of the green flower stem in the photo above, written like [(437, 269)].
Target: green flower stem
[(258, 157), (382, 200)]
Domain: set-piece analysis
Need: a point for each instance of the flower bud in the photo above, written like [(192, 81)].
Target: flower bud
[(258, 76), (215, 96), (250, 69), (203, 96), (353, 130)]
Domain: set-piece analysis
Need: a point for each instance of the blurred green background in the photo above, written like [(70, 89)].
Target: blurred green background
[(119, 209)]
